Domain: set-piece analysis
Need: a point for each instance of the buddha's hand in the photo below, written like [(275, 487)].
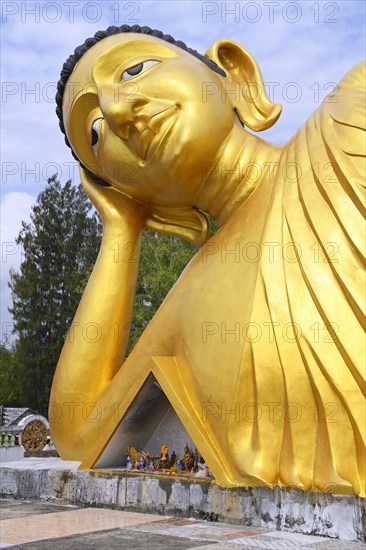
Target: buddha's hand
[(112, 204)]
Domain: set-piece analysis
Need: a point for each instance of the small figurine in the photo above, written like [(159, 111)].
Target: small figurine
[(173, 459), (195, 462), (204, 470), (134, 456), (164, 456), (128, 463), (142, 462), (186, 457)]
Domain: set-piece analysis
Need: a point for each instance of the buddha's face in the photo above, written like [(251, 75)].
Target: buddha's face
[(146, 116)]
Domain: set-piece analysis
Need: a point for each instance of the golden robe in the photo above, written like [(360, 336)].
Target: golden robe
[(270, 385)]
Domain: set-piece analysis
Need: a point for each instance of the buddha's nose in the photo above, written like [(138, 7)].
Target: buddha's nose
[(123, 108)]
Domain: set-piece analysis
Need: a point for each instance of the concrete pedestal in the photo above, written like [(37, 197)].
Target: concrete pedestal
[(284, 509)]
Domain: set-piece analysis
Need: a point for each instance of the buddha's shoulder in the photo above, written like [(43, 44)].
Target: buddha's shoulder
[(346, 104), (338, 124), (355, 79)]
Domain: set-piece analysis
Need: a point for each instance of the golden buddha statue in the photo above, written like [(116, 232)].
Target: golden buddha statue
[(186, 457), (259, 346)]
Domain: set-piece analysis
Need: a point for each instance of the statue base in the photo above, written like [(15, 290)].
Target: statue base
[(283, 509)]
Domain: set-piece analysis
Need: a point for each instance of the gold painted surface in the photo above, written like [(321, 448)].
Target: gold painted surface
[(260, 345)]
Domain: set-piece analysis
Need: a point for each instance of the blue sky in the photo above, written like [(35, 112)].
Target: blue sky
[(303, 49)]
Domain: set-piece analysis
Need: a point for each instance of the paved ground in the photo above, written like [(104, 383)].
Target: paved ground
[(31, 526)]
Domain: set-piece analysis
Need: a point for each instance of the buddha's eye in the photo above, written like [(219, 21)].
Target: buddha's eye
[(95, 133), (137, 69)]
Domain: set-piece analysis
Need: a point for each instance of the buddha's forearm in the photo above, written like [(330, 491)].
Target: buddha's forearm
[(96, 343)]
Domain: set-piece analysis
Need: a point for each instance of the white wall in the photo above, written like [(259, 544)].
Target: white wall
[(10, 454)]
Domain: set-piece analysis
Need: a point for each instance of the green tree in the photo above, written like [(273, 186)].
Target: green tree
[(10, 393), (59, 246), (163, 258)]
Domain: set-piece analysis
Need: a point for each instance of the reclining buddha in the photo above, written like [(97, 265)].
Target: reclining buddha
[(259, 346)]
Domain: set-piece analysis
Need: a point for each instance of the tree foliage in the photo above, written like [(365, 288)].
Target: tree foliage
[(163, 258), (10, 393), (59, 246)]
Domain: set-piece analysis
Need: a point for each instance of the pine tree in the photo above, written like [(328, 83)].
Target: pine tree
[(10, 393), (59, 247)]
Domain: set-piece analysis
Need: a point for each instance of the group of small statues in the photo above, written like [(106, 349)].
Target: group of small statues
[(190, 464)]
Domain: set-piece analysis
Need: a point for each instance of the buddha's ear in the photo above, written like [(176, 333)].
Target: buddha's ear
[(245, 85)]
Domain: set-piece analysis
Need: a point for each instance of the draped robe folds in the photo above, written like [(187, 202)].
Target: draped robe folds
[(265, 324)]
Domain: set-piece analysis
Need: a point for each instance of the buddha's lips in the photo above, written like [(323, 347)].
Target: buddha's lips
[(141, 141)]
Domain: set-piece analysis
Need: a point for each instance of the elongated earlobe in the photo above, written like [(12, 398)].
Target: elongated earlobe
[(187, 223), (251, 103)]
